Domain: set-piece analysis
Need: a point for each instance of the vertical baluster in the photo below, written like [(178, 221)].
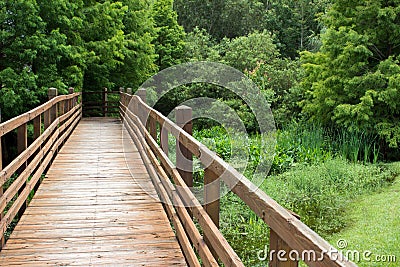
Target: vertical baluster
[(212, 188), (70, 101), (37, 132), (276, 244), (52, 93), (22, 143), (140, 111), (184, 157), (105, 102), (164, 139)]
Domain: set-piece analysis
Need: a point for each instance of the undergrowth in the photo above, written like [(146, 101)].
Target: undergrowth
[(315, 172)]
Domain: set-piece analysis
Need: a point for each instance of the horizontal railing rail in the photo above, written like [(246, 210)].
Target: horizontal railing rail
[(148, 128), (102, 103), (52, 123)]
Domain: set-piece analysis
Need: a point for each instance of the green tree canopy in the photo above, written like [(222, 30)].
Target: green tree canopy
[(169, 42), (354, 80), (85, 44)]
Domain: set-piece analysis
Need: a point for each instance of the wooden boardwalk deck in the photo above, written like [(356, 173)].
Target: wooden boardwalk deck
[(91, 209)]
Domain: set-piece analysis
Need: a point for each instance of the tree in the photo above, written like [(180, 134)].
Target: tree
[(169, 42), (295, 24), (25, 48), (221, 18), (139, 53), (246, 52), (354, 80)]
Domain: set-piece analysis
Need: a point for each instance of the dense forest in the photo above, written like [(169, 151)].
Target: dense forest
[(330, 70), (331, 62)]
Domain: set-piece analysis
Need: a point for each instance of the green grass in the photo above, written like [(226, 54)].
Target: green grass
[(374, 225), (317, 173), (320, 194)]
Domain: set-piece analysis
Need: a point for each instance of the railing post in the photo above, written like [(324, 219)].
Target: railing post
[(22, 144), (212, 188), (50, 114), (71, 103), (37, 126), (37, 132), (276, 244), (142, 94), (212, 195), (105, 102), (164, 139), (184, 157), (121, 100)]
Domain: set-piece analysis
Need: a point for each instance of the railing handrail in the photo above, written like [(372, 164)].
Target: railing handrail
[(14, 123), (297, 235), (60, 115)]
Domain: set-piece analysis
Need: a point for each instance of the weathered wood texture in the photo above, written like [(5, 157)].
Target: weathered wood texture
[(91, 210), (290, 229)]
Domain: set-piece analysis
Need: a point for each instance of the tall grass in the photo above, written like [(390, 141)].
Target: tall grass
[(320, 194), (315, 172)]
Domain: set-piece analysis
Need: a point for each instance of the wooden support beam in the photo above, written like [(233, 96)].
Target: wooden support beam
[(164, 139), (37, 127), (276, 244), (105, 102), (152, 124), (142, 94), (141, 112), (212, 187), (184, 157), (22, 144), (52, 93), (71, 102)]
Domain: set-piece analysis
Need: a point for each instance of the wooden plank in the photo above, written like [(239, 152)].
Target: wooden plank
[(225, 252), (22, 143), (184, 158), (14, 123), (277, 244), (211, 200), (37, 127), (295, 233), (164, 139), (93, 212), (172, 198)]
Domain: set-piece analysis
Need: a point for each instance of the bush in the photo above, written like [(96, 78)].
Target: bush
[(321, 193)]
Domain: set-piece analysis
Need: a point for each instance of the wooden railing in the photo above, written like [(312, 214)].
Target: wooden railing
[(102, 103), (148, 128), (52, 123)]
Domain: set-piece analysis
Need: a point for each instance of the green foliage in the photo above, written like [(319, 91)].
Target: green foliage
[(320, 193), (354, 80), (200, 46), (278, 79), (84, 44), (244, 230), (228, 18), (243, 53), (379, 231), (293, 22), (169, 42)]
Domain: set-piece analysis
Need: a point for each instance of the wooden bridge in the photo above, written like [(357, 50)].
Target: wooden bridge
[(101, 191)]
